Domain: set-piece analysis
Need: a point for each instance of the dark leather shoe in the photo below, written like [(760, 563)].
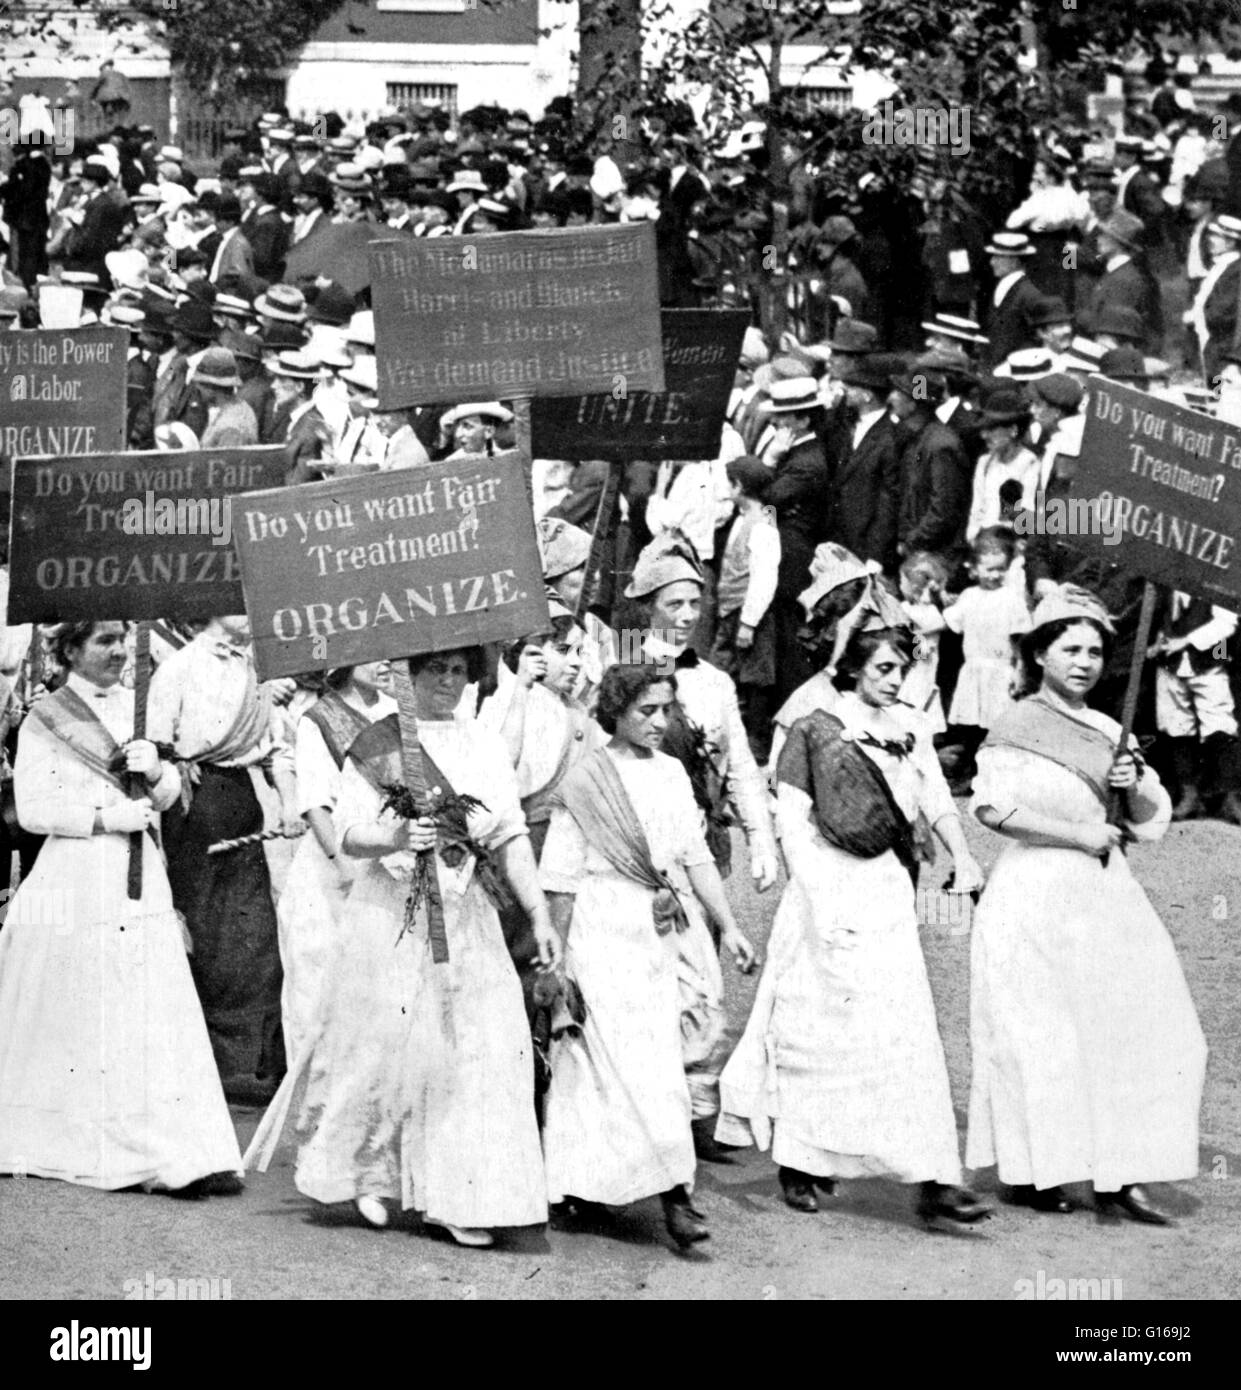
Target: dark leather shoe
[(798, 1189), (1045, 1199), (827, 1186), (1230, 808), (685, 1224), (956, 1206), (1189, 805), (706, 1146), (1129, 1204)]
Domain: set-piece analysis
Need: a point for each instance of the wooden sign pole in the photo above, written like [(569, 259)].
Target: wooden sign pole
[(603, 526), (416, 782), (137, 783), (1115, 800), (524, 439)]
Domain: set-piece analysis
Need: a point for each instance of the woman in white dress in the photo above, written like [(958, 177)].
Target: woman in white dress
[(1088, 1057), (841, 1070), (307, 910), (626, 867), (417, 1084), (106, 1072)]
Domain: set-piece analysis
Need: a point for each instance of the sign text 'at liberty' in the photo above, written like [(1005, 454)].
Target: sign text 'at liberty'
[(62, 391), (131, 535), (573, 312), (389, 565), (1165, 483)]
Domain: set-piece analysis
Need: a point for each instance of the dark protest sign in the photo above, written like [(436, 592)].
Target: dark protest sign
[(145, 535), (1159, 492), (390, 564), (701, 350), (552, 313), (62, 391)]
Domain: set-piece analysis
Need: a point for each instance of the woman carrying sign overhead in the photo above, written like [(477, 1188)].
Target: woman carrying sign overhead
[(1088, 1057), (417, 1086), (106, 1072)]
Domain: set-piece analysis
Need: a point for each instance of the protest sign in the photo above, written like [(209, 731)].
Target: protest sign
[(701, 348), (390, 564), (570, 312), (144, 535), (62, 392), (1158, 492)]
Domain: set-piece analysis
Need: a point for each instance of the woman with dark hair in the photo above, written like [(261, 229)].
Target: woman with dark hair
[(416, 1087), (1088, 1058), (627, 872), (707, 736), (841, 1070), (307, 910), (106, 1071)]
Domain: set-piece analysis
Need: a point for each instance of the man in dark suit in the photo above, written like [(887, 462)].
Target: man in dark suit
[(263, 226), (799, 494), (935, 471), (1137, 192), (1127, 280), (867, 479), (23, 203), (233, 254), (104, 220), (1010, 322)]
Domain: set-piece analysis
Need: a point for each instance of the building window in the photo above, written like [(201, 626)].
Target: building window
[(838, 100), (433, 93)]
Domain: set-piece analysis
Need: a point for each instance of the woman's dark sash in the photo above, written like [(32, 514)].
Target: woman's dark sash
[(338, 722), (853, 806), (1035, 726), (68, 717)]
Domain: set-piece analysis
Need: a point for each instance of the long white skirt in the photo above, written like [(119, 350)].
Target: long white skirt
[(307, 920), (618, 1112), (841, 1069), (1088, 1057), (106, 1072)]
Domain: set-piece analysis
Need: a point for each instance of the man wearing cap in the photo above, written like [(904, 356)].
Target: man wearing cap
[(234, 255), (281, 164), (799, 493), (952, 333), (1127, 280), (193, 330), (867, 475), (1010, 323), (256, 389), (1054, 325), (307, 436), (839, 281), (1213, 314), (1137, 193), (264, 228), (935, 471), (230, 422)]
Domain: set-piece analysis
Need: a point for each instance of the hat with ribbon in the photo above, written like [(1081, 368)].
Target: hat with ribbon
[(483, 410), (1009, 244), (216, 367), (669, 559), (285, 303)]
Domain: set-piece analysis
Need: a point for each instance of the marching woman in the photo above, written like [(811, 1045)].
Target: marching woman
[(106, 1071), (707, 736), (626, 866), (310, 903), (1088, 1057), (416, 1086), (841, 1070)]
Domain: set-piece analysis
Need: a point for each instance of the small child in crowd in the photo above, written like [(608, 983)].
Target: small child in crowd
[(923, 579)]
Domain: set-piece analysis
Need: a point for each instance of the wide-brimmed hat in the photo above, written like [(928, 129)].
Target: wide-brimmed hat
[(1009, 244), (1124, 364), (796, 395), (233, 306), (332, 305), (563, 546), (173, 436), (1027, 364), (216, 367), (1004, 408), (351, 178), (1050, 310), (193, 320), (1070, 601), (669, 559), (1084, 355), (466, 181), (1119, 321), (852, 335), (282, 336), (954, 326), (244, 346), (1123, 227), (872, 372), (285, 303), (147, 193), (361, 328), (484, 410), (301, 366)]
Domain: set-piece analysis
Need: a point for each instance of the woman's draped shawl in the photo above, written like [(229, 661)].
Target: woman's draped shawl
[(1035, 726), (852, 804), (594, 795)]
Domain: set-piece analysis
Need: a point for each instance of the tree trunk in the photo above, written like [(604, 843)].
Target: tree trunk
[(609, 73), (775, 306)]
